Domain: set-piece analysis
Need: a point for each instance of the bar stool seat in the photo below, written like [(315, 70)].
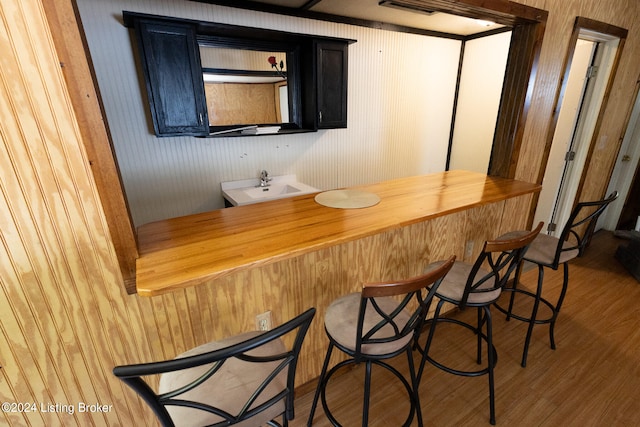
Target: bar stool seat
[(543, 250), (341, 323), (454, 284), (235, 380)]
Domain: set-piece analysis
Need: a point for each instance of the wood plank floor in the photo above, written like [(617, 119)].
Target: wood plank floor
[(591, 379)]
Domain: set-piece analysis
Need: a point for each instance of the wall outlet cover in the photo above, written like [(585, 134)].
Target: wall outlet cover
[(263, 321)]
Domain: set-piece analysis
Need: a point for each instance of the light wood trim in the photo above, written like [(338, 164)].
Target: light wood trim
[(73, 55), (186, 251), (65, 320)]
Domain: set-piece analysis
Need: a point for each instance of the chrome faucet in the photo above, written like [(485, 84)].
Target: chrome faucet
[(264, 178)]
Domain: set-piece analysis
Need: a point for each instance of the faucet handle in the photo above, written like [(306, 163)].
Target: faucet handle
[(264, 178)]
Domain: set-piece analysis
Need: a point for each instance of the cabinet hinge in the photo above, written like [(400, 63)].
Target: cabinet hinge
[(551, 227)]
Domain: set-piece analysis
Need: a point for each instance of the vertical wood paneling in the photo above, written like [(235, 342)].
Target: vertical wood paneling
[(554, 48), (54, 237), (66, 320), (16, 382)]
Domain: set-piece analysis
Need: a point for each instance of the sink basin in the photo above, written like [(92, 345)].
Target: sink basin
[(248, 191), (271, 191)]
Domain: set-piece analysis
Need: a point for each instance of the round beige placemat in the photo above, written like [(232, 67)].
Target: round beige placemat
[(347, 199)]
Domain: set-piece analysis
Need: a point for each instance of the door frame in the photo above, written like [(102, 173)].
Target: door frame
[(583, 25)]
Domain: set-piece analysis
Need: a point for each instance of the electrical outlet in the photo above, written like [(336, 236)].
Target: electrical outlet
[(468, 250), (263, 321)]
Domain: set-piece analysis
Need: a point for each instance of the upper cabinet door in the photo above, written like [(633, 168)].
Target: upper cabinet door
[(332, 84), (173, 74)]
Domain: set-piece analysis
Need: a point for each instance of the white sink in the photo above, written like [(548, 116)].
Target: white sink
[(271, 191), (248, 191)]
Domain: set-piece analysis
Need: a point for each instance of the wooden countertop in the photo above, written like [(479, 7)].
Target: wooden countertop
[(190, 250)]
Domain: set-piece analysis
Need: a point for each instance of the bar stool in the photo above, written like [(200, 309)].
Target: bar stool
[(376, 324), (551, 252), (244, 380), (478, 285)]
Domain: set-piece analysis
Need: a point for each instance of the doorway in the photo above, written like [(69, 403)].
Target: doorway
[(630, 215), (626, 176), (589, 70), (476, 109)]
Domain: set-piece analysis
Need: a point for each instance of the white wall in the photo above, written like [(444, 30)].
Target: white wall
[(400, 101), (624, 170), (481, 79)]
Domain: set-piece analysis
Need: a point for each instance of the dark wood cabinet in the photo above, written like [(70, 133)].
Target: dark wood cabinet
[(331, 84), (170, 58), (173, 76)]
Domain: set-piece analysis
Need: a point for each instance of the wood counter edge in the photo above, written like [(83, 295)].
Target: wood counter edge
[(302, 250)]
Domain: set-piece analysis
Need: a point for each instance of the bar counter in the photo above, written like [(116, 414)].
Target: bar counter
[(196, 249)]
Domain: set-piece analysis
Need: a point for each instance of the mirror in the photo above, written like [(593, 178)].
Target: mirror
[(248, 85)]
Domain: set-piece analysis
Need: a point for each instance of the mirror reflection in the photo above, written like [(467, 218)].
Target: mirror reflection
[(244, 86)]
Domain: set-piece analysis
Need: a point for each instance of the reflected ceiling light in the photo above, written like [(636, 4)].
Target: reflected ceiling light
[(484, 23)]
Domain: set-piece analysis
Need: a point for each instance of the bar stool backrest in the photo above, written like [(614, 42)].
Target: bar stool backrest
[(283, 361), (413, 296), (496, 262), (580, 226)]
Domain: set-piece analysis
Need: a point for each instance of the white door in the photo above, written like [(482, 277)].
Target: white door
[(580, 105)]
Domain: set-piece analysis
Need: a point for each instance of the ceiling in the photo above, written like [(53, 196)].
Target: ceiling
[(370, 10)]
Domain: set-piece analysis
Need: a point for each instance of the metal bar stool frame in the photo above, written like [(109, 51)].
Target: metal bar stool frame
[(374, 297), (215, 361), (571, 243), (480, 289)]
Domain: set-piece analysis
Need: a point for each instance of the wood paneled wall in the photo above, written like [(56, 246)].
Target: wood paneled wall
[(227, 103), (66, 320), (562, 15)]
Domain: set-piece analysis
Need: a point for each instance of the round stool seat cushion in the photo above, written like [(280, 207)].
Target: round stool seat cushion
[(452, 286), (230, 388), (341, 322), (543, 249)]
